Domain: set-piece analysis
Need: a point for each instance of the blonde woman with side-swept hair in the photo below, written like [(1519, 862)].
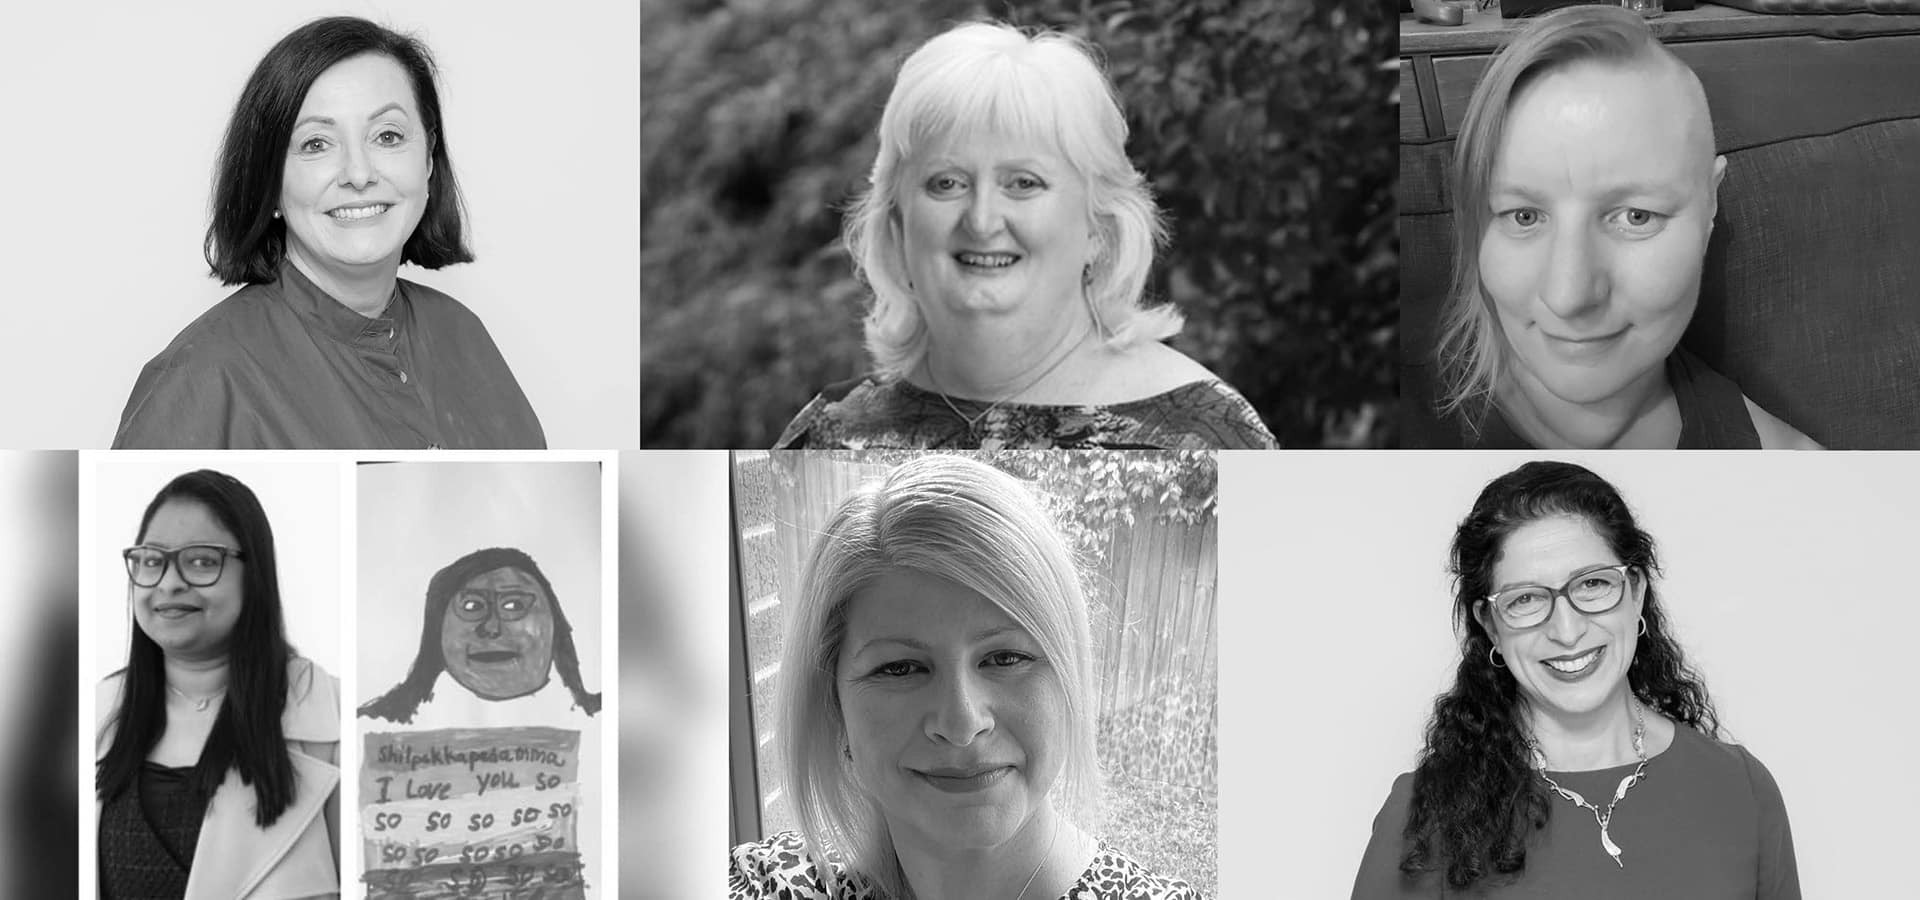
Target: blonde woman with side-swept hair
[(936, 705), (1585, 187), (1006, 239)]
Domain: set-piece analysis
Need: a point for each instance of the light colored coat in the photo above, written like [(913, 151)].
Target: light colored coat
[(294, 857)]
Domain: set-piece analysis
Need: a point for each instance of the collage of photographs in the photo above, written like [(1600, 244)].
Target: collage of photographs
[(961, 450)]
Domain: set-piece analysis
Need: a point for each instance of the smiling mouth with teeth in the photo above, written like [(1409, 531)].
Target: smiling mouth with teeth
[(1577, 664), (987, 260), (360, 212)]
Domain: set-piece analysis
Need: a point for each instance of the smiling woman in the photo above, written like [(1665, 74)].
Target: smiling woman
[(1006, 238), (1585, 189), (334, 171), (1570, 692), (936, 706)]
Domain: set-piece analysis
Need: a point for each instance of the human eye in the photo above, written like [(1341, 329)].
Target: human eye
[(1007, 659), (1025, 184), (205, 559), (312, 144), (471, 603), (1636, 222), (515, 603), (390, 137), (899, 668), (946, 185), (1522, 601), (1520, 220)]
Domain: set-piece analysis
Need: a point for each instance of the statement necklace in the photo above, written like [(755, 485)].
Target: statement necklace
[(973, 422), (199, 703), (1619, 793)]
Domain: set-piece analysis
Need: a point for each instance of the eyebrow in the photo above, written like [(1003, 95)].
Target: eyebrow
[(1570, 576), (978, 638), (328, 120), (1662, 189)]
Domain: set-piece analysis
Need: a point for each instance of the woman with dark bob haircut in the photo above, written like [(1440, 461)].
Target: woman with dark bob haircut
[(217, 748), (334, 171), (1576, 755)]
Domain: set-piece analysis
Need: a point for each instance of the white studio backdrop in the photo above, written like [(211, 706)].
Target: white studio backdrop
[(302, 498), (116, 112), (1786, 581)]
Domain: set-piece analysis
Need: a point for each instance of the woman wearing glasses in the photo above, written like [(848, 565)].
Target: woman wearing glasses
[(217, 749), (1576, 754)]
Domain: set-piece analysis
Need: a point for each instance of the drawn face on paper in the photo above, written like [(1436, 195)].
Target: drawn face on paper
[(497, 634)]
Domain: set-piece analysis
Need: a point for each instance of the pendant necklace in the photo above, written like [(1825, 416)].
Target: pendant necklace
[(200, 704), (973, 422), (1050, 839), (1605, 818)]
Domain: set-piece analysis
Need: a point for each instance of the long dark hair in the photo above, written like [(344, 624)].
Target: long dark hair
[(399, 702), (246, 732), (1475, 798), (245, 243)]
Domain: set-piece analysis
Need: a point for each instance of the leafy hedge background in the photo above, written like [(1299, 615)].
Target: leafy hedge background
[(1266, 128)]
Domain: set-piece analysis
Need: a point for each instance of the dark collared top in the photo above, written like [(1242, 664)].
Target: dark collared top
[(285, 366)]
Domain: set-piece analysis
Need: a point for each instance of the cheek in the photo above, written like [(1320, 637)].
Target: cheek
[(1657, 282), (1508, 271)]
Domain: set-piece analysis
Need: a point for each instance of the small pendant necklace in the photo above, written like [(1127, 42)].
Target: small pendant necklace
[(1604, 819), (200, 704), (973, 422)]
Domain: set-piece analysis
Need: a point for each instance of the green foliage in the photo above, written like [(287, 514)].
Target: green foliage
[(1266, 128)]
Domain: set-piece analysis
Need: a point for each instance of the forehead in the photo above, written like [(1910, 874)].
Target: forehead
[(911, 605), (989, 149), (501, 579), (1592, 127), (357, 86), (180, 521), (1546, 551)]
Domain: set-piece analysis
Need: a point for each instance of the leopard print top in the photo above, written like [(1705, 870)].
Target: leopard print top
[(778, 869)]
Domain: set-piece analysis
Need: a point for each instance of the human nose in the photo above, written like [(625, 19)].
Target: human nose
[(983, 212), (1576, 280), (960, 714), (1565, 625), (172, 580), (356, 167)]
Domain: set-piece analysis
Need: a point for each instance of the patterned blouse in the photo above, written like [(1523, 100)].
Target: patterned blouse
[(778, 869), (869, 413)]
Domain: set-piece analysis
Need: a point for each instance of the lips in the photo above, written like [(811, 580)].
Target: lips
[(1578, 347), (1574, 666), (492, 656), (357, 213), (174, 610), (964, 780), (986, 259)]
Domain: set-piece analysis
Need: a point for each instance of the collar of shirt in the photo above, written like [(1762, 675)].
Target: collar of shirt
[(325, 315)]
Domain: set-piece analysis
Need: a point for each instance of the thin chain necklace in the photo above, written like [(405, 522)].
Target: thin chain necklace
[(200, 704), (973, 422), (1603, 818), (1050, 840)]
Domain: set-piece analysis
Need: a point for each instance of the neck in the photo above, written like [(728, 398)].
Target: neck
[(1599, 739), (197, 678), (363, 289), (1643, 415), (1037, 859), (999, 357)]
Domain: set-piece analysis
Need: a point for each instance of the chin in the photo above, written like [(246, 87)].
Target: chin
[(1575, 384)]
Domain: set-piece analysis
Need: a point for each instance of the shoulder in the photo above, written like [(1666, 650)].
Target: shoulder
[(435, 306), (313, 703), (218, 336), (1113, 875), (842, 411), (1729, 764), (1776, 434), (778, 867), (1198, 415)]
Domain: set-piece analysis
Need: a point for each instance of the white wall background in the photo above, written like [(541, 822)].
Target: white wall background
[(302, 498), (1788, 579), (113, 115)]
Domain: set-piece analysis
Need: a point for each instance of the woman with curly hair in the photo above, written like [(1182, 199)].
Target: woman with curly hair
[(1576, 755)]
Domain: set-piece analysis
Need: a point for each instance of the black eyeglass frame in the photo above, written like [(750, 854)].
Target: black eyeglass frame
[(1555, 595), (496, 604), (171, 559)]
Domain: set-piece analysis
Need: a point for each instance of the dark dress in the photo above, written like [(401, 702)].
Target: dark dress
[(1713, 415), (778, 867), (869, 413), (282, 366), (1706, 823)]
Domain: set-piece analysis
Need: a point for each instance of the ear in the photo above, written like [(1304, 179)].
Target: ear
[(1713, 193)]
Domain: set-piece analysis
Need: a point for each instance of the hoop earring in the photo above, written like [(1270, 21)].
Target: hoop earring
[(1493, 652), (1643, 626)]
